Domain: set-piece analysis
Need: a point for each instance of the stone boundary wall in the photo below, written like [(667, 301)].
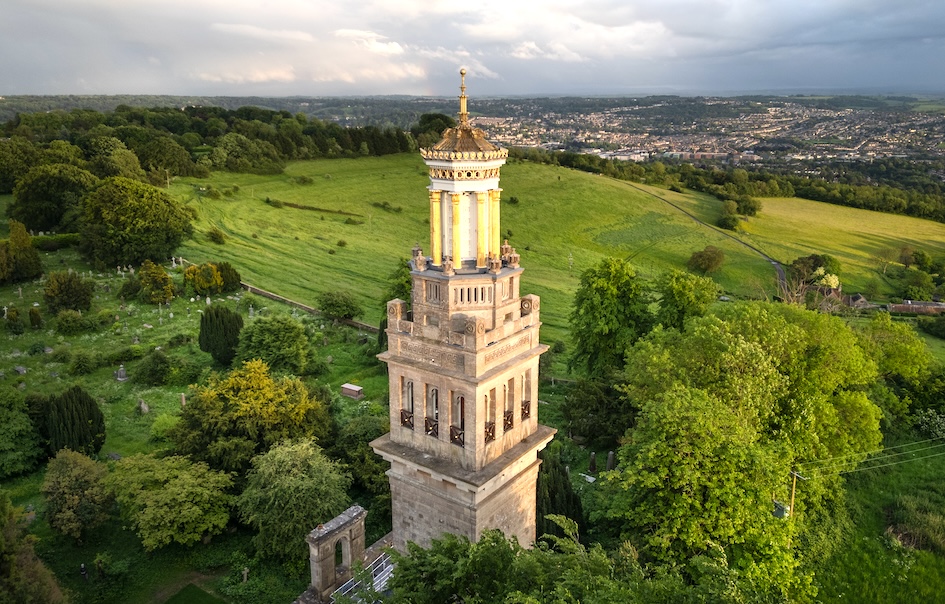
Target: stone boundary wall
[(309, 309)]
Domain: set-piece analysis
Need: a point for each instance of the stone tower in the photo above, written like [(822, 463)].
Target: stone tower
[(463, 362)]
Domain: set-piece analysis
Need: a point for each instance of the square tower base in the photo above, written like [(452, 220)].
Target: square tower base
[(432, 496)]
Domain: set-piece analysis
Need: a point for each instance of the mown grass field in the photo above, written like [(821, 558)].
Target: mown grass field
[(560, 213), (565, 222), (788, 228)]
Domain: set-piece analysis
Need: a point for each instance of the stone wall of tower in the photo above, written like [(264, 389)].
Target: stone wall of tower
[(463, 363)]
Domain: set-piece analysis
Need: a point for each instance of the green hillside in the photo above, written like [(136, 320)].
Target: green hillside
[(560, 212), (299, 253)]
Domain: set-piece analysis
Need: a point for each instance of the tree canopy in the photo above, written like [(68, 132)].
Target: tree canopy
[(76, 498), (291, 489), (232, 418), (124, 221), (278, 340), (47, 197), (611, 310), (718, 415), (170, 499), (20, 448)]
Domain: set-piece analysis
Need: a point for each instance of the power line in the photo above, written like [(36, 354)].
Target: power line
[(838, 457), (881, 457), (894, 463)]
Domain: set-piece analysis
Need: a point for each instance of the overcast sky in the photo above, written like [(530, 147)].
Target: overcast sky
[(509, 47)]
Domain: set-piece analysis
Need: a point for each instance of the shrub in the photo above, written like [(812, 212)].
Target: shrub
[(205, 279), (513, 200), (156, 284), (217, 236), (274, 203), (70, 322), (351, 220), (36, 348), (15, 323), (342, 243), (930, 423), (179, 339), (184, 372), (232, 280), (51, 243), (162, 425), (67, 290), (83, 362), (339, 305), (61, 355), (123, 355), (71, 420), (130, 288), (36, 318), (708, 260), (153, 369), (220, 333)]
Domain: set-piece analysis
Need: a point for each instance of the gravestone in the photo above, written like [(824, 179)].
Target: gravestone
[(143, 407), (121, 375)]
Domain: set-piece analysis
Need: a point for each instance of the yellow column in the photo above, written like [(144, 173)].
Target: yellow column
[(482, 247), (436, 241), (496, 244), (457, 236)]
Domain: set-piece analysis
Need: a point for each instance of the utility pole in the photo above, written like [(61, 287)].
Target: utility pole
[(794, 477)]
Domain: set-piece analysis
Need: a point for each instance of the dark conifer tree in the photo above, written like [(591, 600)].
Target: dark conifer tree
[(220, 333), (555, 494), (70, 420), (231, 277)]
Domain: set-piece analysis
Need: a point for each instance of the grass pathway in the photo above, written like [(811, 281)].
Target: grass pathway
[(782, 279)]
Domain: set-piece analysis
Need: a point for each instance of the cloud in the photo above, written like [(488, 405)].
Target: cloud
[(316, 47), (250, 76), (260, 33), (371, 41)]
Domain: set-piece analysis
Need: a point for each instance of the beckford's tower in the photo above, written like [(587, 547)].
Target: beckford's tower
[(463, 362)]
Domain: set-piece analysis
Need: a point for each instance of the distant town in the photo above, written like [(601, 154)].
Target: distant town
[(743, 131)]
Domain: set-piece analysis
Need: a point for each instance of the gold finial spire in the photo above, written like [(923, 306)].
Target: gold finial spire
[(463, 115)]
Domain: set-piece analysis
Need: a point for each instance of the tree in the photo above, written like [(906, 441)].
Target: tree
[(47, 197), (109, 157), (233, 418), (230, 277), (723, 411), (156, 285), (220, 330), (67, 290), (707, 261), (339, 305), (400, 284), (20, 260), (351, 446), (171, 499), (20, 448), (17, 156), (24, 578), (290, 490), (70, 420), (611, 310), (127, 222), (76, 498), (555, 494), (279, 340), (683, 295), (695, 473)]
